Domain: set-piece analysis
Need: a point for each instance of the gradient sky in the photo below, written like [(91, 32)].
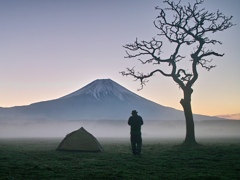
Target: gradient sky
[(50, 48)]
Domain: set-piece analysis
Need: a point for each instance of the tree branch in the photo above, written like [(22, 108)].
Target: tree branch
[(189, 27), (141, 76)]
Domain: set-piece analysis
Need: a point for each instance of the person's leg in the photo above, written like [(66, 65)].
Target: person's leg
[(139, 144), (133, 143)]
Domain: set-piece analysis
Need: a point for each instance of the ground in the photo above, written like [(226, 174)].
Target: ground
[(160, 159)]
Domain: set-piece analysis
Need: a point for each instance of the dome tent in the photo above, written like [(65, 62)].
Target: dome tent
[(80, 140)]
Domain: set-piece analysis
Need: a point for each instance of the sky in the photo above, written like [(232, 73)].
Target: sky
[(50, 48)]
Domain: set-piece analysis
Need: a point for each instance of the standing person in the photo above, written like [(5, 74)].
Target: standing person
[(135, 121)]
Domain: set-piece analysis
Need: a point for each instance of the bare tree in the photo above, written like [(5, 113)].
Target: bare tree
[(180, 26)]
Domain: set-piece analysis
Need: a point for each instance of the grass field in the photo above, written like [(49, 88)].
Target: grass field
[(161, 159)]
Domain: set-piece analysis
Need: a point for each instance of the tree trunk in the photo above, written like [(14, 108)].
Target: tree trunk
[(190, 131)]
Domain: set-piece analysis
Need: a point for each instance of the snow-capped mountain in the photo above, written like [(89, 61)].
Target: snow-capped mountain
[(102, 87), (102, 99)]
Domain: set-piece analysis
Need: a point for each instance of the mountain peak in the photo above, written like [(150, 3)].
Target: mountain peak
[(102, 87)]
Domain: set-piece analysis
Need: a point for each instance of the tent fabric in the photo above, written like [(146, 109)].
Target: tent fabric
[(80, 140)]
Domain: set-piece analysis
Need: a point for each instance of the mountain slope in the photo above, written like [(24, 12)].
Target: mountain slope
[(230, 116), (102, 99)]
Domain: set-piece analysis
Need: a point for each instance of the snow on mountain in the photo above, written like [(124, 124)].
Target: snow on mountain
[(102, 87)]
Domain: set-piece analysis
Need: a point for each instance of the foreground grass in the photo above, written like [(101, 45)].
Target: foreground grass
[(37, 159)]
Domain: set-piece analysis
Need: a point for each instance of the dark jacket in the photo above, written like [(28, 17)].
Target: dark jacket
[(135, 121)]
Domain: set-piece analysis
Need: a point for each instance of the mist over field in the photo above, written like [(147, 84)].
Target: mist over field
[(120, 128)]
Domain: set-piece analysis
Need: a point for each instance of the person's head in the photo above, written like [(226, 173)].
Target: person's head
[(134, 112)]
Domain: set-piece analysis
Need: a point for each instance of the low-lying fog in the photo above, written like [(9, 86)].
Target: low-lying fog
[(151, 129)]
